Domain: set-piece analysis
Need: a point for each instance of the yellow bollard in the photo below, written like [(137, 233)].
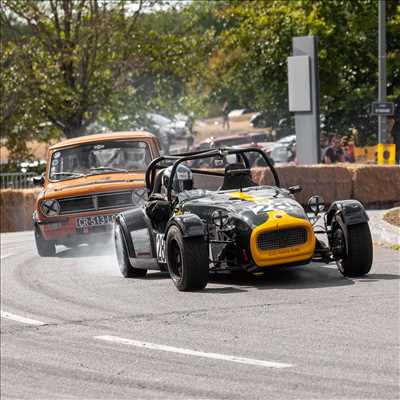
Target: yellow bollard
[(386, 154)]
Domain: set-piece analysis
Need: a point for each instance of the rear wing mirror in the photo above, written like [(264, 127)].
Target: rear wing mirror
[(295, 189), (38, 180)]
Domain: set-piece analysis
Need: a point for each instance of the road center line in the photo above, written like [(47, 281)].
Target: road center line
[(17, 318), (216, 356)]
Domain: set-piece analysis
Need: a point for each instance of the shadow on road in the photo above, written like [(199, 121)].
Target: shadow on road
[(378, 277), (308, 277), (305, 277)]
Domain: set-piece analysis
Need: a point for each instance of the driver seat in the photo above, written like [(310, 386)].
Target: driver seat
[(158, 181), (237, 182)]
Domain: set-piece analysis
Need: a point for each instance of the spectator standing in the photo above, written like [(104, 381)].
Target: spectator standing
[(323, 144), (333, 153), (225, 115), (348, 149)]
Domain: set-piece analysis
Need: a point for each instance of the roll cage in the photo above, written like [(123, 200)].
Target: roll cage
[(177, 159)]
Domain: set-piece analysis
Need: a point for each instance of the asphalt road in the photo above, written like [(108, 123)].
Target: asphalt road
[(72, 327)]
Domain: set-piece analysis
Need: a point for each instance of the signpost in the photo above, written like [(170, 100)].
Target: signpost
[(382, 69), (382, 108)]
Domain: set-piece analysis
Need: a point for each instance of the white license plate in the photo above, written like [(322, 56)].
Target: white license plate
[(85, 222)]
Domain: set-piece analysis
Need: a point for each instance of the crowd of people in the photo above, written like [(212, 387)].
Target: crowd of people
[(336, 149)]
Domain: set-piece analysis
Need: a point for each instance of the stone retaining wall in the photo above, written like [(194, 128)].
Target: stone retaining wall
[(374, 186)]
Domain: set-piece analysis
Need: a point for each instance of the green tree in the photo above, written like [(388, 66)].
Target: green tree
[(248, 63), (72, 59)]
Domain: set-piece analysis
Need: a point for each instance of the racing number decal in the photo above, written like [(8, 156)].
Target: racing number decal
[(160, 248)]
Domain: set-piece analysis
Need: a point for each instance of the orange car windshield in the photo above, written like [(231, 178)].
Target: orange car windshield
[(100, 157)]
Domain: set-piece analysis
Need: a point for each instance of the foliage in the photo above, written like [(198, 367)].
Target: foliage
[(71, 67), (71, 59), (249, 63)]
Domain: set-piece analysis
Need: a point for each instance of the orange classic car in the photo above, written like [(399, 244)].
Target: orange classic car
[(87, 181)]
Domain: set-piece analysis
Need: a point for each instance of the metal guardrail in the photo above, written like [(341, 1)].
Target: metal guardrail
[(16, 180)]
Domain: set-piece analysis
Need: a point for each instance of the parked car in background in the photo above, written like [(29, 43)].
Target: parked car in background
[(224, 141), (241, 140), (176, 127), (261, 120), (284, 150), (87, 181), (281, 128), (260, 137), (212, 142), (238, 112)]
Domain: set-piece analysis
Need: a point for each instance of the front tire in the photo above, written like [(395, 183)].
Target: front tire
[(187, 261), (45, 248), (358, 259), (124, 264)]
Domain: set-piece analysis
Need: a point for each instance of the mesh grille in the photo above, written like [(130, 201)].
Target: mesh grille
[(76, 204), (101, 201), (280, 239), (114, 200)]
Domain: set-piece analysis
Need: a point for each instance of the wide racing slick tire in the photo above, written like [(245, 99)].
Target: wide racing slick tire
[(358, 259), (187, 260), (124, 264), (45, 248)]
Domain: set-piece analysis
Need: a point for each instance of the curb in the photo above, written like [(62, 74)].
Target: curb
[(383, 232)]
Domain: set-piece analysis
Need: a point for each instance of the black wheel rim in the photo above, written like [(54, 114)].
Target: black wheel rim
[(175, 261), (339, 243)]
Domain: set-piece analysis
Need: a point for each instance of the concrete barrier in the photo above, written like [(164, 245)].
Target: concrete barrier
[(373, 185), (376, 185), (331, 182)]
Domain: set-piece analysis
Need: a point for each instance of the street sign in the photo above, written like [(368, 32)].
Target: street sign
[(382, 108)]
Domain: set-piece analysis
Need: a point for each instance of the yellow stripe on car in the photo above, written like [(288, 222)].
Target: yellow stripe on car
[(248, 197)]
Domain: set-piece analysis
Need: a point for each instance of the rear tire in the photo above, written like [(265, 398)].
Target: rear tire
[(124, 264), (45, 248), (358, 260), (187, 261)]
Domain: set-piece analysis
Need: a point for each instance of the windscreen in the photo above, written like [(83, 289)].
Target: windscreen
[(100, 157)]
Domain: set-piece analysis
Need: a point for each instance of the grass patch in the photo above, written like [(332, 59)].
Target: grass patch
[(393, 217)]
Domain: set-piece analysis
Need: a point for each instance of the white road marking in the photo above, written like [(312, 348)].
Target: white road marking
[(216, 356), (17, 318), (6, 256), (330, 266)]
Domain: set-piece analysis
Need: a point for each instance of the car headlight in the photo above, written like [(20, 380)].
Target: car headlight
[(220, 219), (316, 204), (296, 212), (138, 197), (50, 208)]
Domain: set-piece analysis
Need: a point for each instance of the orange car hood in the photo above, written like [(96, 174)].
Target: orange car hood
[(94, 184)]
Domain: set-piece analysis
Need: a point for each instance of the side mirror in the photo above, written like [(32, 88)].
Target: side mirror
[(38, 180), (295, 189), (316, 204)]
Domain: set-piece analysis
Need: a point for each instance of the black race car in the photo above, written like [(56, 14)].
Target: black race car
[(190, 231)]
